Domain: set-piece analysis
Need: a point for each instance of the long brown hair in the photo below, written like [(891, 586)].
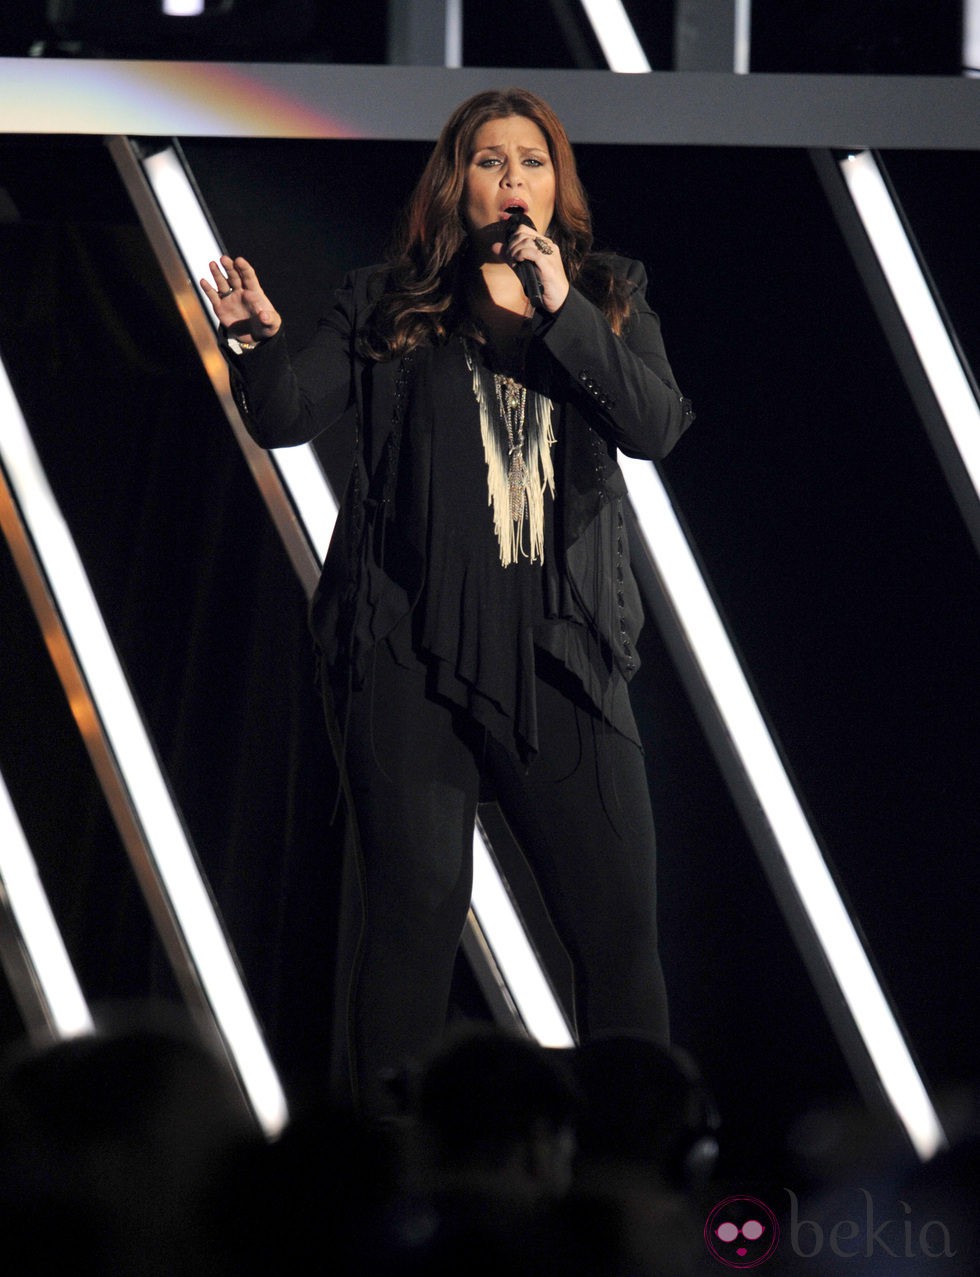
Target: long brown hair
[(421, 301)]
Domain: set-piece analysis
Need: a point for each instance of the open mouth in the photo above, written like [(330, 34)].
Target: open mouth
[(515, 206)]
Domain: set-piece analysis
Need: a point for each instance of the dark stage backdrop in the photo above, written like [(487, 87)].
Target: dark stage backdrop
[(808, 486)]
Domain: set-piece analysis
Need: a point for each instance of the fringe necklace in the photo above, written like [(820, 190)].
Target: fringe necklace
[(516, 425)]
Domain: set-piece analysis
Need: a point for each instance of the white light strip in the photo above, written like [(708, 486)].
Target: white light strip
[(971, 37), (707, 638), (454, 33), (65, 1007), (743, 36), (299, 467), (617, 39), (182, 8), (908, 285), (515, 958), (113, 709)]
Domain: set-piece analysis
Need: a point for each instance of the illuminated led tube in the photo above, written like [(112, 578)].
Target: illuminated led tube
[(913, 296), (705, 633), (195, 237), (110, 723), (971, 37), (512, 951), (63, 1004), (616, 36), (743, 36)]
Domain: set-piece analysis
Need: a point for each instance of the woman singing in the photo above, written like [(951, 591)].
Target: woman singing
[(477, 615)]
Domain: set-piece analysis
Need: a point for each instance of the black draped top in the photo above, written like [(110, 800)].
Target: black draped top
[(475, 620)]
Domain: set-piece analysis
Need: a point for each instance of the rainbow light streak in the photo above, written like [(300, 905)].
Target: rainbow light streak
[(152, 99)]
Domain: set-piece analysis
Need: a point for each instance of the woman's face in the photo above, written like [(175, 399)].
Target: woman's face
[(508, 166)]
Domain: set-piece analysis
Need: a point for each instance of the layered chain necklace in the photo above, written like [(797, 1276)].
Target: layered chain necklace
[(512, 402)]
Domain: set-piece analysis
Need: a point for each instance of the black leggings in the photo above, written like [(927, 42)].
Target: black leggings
[(581, 814)]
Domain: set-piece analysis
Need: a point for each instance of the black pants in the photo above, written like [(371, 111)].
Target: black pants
[(581, 814)]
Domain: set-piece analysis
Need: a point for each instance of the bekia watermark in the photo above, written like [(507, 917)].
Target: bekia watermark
[(744, 1232), (741, 1232)]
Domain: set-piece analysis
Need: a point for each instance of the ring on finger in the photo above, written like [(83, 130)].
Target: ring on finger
[(227, 293), (543, 246)]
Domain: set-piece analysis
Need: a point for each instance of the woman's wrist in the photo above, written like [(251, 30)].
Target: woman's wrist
[(239, 347)]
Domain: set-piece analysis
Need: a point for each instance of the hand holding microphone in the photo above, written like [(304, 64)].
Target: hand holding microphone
[(545, 291), (527, 272)]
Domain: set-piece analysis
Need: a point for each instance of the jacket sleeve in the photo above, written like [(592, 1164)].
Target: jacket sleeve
[(624, 381), (287, 400)]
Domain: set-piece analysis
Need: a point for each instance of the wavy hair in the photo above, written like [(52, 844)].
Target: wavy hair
[(422, 300)]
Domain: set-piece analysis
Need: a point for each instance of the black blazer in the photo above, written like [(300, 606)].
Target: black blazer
[(610, 393)]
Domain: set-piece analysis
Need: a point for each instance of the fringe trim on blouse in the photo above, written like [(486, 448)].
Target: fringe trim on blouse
[(510, 512)]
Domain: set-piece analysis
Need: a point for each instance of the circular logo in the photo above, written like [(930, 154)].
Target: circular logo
[(741, 1232)]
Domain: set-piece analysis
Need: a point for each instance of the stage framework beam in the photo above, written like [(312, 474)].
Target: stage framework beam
[(912, 316), (660, 108), (32, 949), (788, 849), (122, 755)]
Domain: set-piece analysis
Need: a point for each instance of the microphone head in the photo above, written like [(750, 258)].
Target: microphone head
[(517, 217)]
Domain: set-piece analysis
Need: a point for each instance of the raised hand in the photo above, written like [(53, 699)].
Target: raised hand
[(238, 301)]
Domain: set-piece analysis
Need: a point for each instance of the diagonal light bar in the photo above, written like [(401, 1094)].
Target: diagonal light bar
[(743, 37), (56, 990), (110, 723), (302, 478), (196, 239), (512, 951), (942, 365), (705, 634), (971, 38), (454, 33), (617, 38)]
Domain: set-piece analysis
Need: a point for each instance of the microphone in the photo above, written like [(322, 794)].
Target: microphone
[(527, 272)]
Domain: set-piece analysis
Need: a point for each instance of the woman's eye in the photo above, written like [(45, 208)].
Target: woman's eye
[(490, 162), (534, 163)]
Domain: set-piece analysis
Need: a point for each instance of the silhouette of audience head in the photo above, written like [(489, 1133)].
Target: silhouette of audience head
[(646, 1107), (132, 1151), (497, 1113), (122, 1136)]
